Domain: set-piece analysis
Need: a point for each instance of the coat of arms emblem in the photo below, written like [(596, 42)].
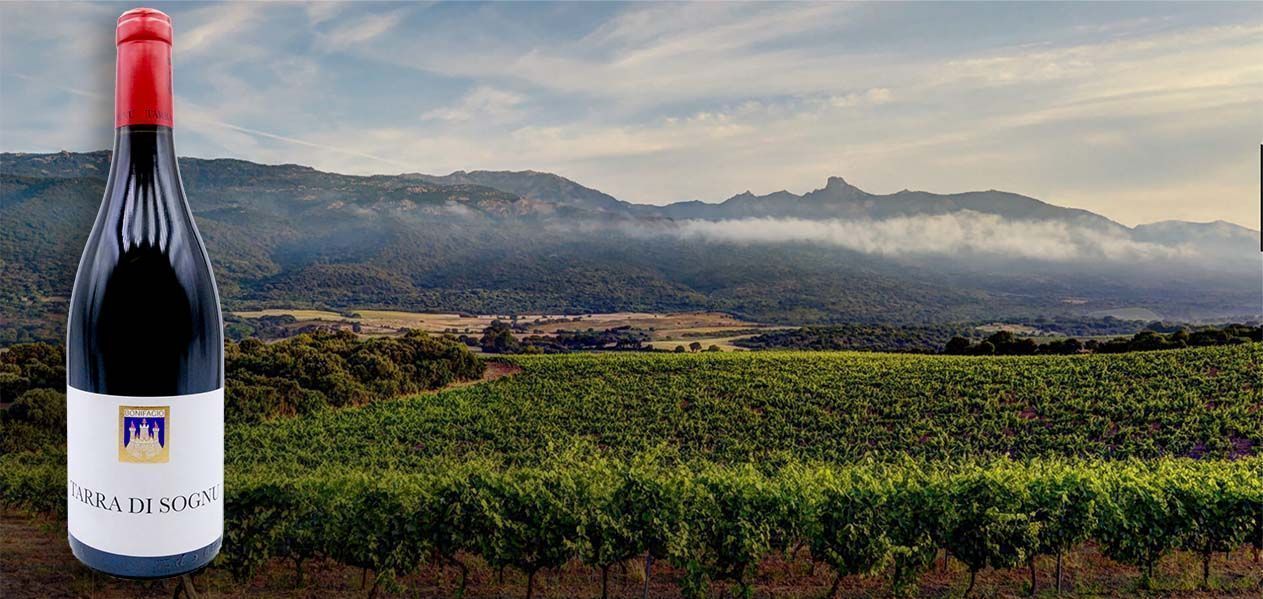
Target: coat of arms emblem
[(144, 434)]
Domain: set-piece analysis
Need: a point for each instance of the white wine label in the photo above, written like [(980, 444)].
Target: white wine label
[(146, 474)]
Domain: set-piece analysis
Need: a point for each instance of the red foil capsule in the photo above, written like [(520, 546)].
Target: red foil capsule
[(142, 86)]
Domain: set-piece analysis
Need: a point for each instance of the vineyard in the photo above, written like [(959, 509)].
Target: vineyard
[(708, 465), (832, 407)]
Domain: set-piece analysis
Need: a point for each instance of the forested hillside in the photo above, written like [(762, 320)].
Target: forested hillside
[(291, 236)]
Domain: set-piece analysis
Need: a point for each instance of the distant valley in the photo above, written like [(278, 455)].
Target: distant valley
[(482, 242)]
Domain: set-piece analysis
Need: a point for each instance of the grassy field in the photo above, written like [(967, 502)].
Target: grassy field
[(723, 342), (667, 329)]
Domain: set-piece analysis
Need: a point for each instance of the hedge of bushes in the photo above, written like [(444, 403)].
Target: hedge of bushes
[(715, 523), (332, 369), (301, 375)]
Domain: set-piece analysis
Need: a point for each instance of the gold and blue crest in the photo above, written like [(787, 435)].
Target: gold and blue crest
[(144, 434)]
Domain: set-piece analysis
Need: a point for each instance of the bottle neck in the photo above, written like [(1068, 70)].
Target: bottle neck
[(145, 200), (142, 84)]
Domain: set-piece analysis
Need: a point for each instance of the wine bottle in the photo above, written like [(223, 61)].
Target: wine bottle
[(144, 346)]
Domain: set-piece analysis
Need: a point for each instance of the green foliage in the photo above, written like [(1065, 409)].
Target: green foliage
[(734, 514), (918, 507), (849, 525), (450, 515), (376, 527), (498, 339), (715, 522), (860, 337), (302, 375), (1063, 502), (739, 407), (37, 420), (256, 526), (1141, 518), (656, 512), (714, 461), (607, 518), (34, 481), (31, 366), (1005, 343), (309, 372), (991, 525), (238, 328), (531, 520), (1221, 512)]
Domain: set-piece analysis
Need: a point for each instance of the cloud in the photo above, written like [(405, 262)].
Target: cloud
[(322, 10), (1139, 112), (214, 25), (963, 232), (364, 29), (50, 82), (482, 103), (655, 54), (205, 122), (874, 96)]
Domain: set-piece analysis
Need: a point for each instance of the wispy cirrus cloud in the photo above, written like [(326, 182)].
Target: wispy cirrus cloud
[(363, 29), (216, 25)]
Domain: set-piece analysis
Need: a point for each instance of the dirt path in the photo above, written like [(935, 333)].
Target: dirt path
[(494, 371), (499, 370)]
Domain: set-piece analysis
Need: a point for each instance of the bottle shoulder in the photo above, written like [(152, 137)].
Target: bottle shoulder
[(144, 316)]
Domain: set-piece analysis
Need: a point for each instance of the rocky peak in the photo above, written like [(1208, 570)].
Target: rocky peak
[(837, 183)]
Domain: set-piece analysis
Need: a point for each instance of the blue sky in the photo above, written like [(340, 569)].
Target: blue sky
[(1141, 112)]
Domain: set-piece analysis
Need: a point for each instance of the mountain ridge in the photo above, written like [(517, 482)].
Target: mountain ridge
[(830, 201), (294, 236)]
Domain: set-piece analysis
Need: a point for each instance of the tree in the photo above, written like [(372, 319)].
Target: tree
[(34, 366), (1023, 347), (498, 339), (1061, 346), (695, 346), (957, 346), (679, 349), (36, 419)]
